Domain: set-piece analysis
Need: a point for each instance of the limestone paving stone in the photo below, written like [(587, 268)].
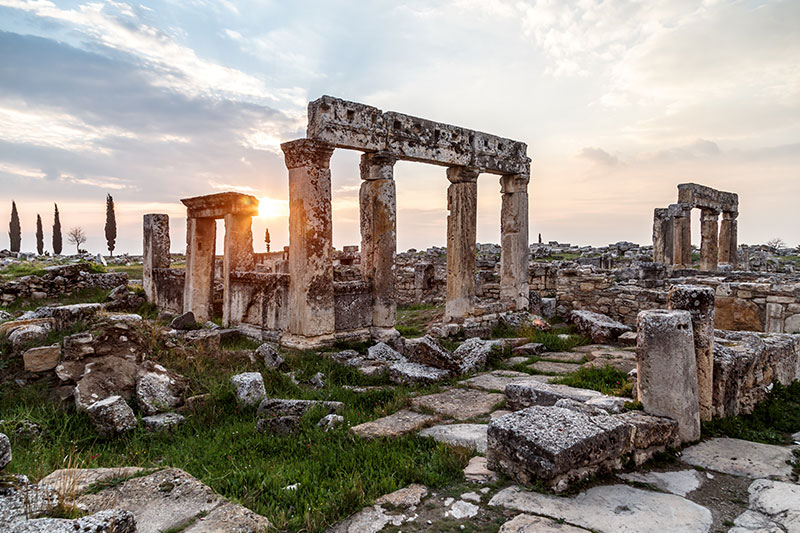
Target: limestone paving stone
[(533, 392), (525, 523), (460, 404), (472, 436), (564, 357), (405, 498), (680, 483), (741, 458), (496, 380), (551, 367), (77, 480), (612, 509), (414, 373), (774, 505), (477, 471), (394, 425), (530, 348)]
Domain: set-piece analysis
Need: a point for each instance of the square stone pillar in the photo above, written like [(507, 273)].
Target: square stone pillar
[(311, 304), (682, 237), (728, 245), (238, 256), (155, 251), (378, 212), (462, 220), (514, 241), (198, 290), (662, 236), (709, 246)]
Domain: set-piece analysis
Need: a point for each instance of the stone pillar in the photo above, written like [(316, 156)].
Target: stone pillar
[(709, 247), (155, 251), (667, 374), (728, 245), (682, 238), (462, 220), (311, 305), (662, 236), (238, 256), (699, 301), (198, 290), (514, 241), (378, 208)]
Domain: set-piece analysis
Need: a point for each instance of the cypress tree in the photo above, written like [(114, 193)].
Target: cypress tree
[(39, 235), (111, 224), (56, 233), (14, 230)]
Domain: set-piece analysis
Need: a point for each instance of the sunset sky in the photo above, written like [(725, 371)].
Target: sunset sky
[(618, 101)]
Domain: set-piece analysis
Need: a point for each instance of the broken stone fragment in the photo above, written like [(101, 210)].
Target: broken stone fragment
[(383, 352), (269, 354), (42, 358), (249, 388), (598, 327), (473, 354), (112, 416), (531, 392), (279, 425), (105, 377), (158, 389), (272, 407), (186, 321), (26, 334), (163, 421), (426, 351), (5, 451), (412, 373), (331, 421)]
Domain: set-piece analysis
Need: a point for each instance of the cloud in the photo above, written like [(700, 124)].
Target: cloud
[(599, 156)]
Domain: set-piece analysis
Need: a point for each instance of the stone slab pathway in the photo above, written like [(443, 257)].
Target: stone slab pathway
[(498, 379), (741, 458), (472, 436), (395, 425), (460, 404)]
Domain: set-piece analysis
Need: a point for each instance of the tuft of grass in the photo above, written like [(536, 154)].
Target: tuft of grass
[(413, 320), (134, 271), (607, 380), (772, 421), (19, 270), (239, 342)]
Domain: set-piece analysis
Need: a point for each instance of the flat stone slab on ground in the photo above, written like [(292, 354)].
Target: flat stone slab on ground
[(498, 379), (681, 482), (477, 471), (528, 393), (564, 357), (613, 509), (741, 458), (471, 436), (554, 367), (460, 404), (77, 480), (525, 523), (774, 506), (394, 425)]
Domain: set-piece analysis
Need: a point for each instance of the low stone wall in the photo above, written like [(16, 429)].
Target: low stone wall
[(168, 289), (58, 281), (260, 300)]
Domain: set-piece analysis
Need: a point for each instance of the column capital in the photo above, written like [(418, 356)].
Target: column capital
[(729, 215), (680, 210), (307, 152), (377, 165), (463, 174), (511, 183), (709, 214)]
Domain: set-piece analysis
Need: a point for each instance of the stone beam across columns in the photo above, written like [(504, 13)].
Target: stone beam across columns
[(311, 297), (709, 245), (681, 235), (728, 245), (238, 256), (462, 205), (514, 241), (155, 250), (198, 290), (378, 214)]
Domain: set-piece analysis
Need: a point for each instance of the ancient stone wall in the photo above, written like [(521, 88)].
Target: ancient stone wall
[(57, 281)]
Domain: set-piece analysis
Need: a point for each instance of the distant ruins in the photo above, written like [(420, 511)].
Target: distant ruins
[(297, 299)]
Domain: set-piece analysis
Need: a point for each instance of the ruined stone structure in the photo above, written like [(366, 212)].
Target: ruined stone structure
[(305, 304), (672, 228)]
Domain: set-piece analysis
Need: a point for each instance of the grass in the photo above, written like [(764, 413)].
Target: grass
[(337, 473), (772, 421), (607, 380), (133, 271), (18, 270), (96, 295), (550, 339), (413, 320)]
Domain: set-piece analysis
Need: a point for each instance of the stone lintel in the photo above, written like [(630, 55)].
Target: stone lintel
[(221, 204), (357, 126), (701, 196), (463, 174), (307, 152)]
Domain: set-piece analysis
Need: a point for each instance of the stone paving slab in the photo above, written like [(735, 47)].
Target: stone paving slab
[(394, 425), (564, 357), (471, 436), (774, 506), (554, 367), (741, 458), (477, 471), (498, 379), (525, 523), (613, 509), (681, 483), (522, 394), (460, 404)]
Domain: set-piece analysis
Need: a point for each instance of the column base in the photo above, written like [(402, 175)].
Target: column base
[(301, 342)]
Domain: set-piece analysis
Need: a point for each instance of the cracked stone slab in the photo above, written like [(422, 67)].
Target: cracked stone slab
[(612, 509), (741, 458), (774, 506), (528, 393), (471, 436), (394, 425), (681, 483), (498, 379), (460, 404), (554, 367), (525, 523)]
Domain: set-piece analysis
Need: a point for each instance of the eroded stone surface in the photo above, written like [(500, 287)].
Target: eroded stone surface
[(270, 407), (412, 373), (394, 425), (471, 436), (5, 451), (680, 483), (477, 471), (740, 458), (774, 506), (532, 392), (598, 327), (460, 404), (525, 523), (42, 358), (497, 380), (249, 388), (111, 416)]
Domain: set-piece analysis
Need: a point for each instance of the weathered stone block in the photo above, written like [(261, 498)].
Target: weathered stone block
[(600, 328), (42, 358), (272, 407), (249, 388), (112, 416), (532, 392)]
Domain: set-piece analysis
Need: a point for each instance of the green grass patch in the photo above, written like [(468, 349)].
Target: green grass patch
[(413, 320), (239, 342), (96, 295), (19, 270), (772, 420), (551, 340), (133, 271), (607, 380)]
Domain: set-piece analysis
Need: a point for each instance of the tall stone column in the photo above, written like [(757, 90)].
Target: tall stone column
[(709, 246), (198, 290), (155, 251), (462, 220), (699, 301), (514, 241), (378, 209), (311, 304), (728, 245), (666, 369), (662, 236), (238, 256), (682, 237)]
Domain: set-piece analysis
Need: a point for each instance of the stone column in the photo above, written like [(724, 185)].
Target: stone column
[(709, 246), (155, 251), (462, 220), (662, 236), (198, 290), (728, 245), (514, 241), (238, 256), (311, 304), (667, 374), (682, 237), (378, 208), (699, 301)]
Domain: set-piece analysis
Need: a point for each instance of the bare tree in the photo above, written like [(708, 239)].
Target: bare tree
[(776, 244), (77, 237)]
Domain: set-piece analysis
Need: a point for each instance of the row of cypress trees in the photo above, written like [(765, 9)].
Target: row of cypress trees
[(15, 230)]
